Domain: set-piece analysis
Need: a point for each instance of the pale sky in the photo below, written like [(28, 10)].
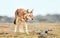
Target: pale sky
[(41, 7)]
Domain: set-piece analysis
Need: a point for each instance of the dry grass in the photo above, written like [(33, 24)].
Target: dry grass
[(7, 30)]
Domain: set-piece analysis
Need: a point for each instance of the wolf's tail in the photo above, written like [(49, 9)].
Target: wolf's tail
[(15, 21)]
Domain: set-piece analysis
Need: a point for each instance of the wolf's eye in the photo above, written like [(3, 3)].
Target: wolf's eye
[(29, 15)]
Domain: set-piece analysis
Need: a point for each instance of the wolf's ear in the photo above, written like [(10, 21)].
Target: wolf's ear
[(31, 11), (27, 10)]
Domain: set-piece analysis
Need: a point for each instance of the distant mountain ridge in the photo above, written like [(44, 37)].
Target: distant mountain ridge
[(48, 18), (38, 18), (5, 19)]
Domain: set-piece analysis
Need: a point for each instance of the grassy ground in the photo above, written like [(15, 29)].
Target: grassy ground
[(7, 30)]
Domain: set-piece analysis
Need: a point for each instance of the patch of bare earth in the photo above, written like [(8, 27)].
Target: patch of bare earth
[(7, 30)]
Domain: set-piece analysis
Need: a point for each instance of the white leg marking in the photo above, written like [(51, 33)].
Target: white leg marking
[(15, 28), (21, 29), (26, 29)]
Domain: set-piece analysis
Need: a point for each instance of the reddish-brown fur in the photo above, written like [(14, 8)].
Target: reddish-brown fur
[(19, 13), (22, 14)]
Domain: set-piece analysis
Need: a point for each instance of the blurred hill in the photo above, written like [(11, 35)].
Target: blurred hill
[(48, 18), (5, 19), (39, 18)]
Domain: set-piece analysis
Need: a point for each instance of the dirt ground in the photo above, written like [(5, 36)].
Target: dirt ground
[(7, 30)]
